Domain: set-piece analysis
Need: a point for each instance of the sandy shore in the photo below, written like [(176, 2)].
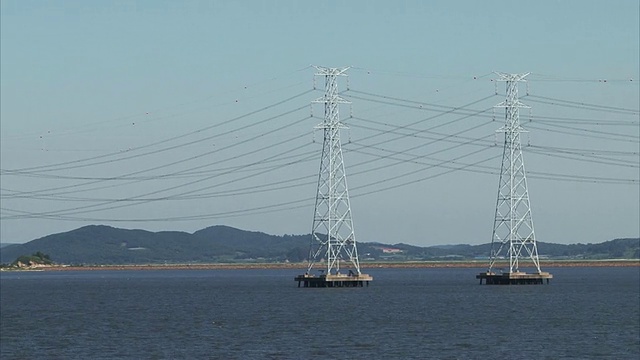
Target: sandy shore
[(373, 265)]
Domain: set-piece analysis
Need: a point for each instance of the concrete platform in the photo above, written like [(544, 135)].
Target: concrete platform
[(337, 280), (514, 278)]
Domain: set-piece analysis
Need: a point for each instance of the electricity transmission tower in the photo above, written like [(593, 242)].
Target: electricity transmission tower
[(513, 234), (332, 235)]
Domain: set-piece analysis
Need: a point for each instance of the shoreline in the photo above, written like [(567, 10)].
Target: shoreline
[(303, 266)]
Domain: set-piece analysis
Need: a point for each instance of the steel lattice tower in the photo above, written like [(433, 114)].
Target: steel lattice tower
[(332, 234), (513, 233)]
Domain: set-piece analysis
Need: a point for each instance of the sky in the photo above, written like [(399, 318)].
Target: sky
[(176, 116)]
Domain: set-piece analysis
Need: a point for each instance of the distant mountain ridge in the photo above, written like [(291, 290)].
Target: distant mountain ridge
[(100, 244)]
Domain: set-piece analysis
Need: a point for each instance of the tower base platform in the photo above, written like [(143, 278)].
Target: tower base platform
[(513, 278), (337, 280)]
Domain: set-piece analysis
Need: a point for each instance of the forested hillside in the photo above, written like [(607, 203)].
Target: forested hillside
[(97, 244)]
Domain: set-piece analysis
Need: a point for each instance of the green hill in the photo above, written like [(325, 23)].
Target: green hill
[(98, 244)]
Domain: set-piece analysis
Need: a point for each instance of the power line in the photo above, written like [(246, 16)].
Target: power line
[(588, 133), (584, 104), (625, 112), (418, 105), (74, 186), (59, 166)]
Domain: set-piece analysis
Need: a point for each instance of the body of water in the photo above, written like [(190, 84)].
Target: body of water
[(585, 313)]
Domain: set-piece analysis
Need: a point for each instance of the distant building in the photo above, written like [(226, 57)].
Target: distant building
[(387, 250)]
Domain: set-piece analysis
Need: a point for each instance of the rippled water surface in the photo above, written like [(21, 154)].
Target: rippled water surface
[(585, 313)]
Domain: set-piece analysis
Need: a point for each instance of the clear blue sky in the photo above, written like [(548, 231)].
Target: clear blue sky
[(88, 88)]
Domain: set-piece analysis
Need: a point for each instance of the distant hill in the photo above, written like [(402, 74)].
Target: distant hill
[(98, 244)]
